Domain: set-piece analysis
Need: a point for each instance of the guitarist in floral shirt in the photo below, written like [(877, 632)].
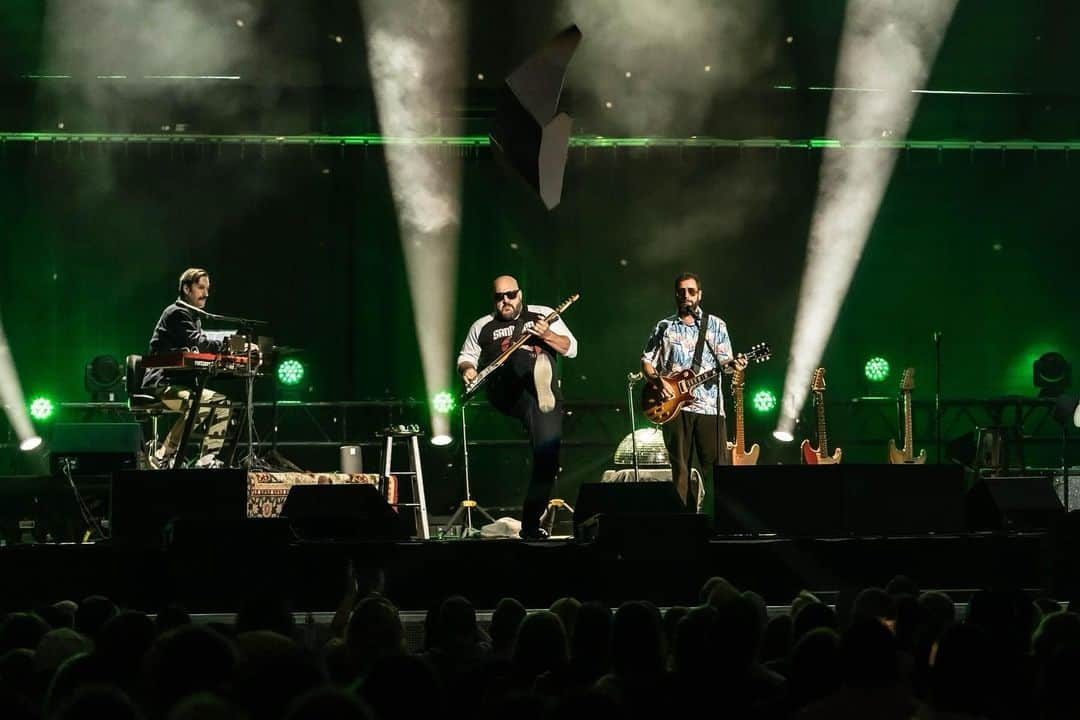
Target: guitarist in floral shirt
[(672, 347)]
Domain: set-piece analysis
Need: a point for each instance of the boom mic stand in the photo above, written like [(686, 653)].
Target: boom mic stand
[(468, 506)]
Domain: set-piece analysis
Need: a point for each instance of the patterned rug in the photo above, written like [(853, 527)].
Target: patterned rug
[(267, 491)]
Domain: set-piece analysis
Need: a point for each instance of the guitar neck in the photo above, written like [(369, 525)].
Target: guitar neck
[(703, 377), (822, 435), (740, 439), (909, 445)]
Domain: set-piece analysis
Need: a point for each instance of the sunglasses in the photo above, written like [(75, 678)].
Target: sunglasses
[(686, 291), (509, 295)]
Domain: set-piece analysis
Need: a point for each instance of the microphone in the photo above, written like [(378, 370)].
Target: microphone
[(204, 313), (189, 306), (634, 377)]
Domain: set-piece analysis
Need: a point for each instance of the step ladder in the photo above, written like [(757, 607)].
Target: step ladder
[(415, 473)]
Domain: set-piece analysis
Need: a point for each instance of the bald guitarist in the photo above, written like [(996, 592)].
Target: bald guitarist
[(525, 386), (677, 344)]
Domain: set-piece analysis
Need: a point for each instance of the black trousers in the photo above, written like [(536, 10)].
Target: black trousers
[(689, 433), (545, 432)]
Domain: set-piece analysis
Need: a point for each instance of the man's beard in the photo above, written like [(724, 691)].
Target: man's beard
[(508, 314), (687, 307)]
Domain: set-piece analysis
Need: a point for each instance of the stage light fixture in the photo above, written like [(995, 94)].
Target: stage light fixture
[(441, 440), (1052, 374), (103, 378), (876, 369), (11, 396), (783, 436), (290, 372), (31, 443), (42, 408), (764, 401), (443, 402)]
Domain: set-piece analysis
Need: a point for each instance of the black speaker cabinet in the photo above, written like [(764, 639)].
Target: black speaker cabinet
[(93, 448), (839, 500), (157, 508), (350, 511), (1017, 503), (636, 516), (626, 499)]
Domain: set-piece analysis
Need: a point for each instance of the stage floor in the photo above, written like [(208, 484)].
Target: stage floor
[(217, 574)]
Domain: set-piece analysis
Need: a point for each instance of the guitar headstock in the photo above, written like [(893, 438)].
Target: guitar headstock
[(907, 382), (759, 353), (567, 303), (818, 383)]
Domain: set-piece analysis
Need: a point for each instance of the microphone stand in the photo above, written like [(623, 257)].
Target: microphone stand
[(632, 379), (937, 394)]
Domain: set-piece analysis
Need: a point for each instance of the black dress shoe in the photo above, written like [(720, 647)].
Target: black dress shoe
[(535, 534)]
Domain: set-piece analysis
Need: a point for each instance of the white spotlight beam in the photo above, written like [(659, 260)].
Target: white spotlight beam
[(888, 45), (11, 397), (415, 58)]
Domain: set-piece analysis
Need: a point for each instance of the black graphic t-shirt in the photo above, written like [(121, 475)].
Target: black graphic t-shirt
[(490, 336)]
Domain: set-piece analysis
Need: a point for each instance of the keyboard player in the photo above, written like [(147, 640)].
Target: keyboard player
[(180, 328)]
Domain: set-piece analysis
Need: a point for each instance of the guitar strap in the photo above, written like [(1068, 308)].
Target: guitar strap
[(703, 330)]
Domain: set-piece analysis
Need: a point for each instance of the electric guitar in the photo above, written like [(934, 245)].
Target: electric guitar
[(662, 404), (906, 456), (498, 362), (739, 454), (820, 456)]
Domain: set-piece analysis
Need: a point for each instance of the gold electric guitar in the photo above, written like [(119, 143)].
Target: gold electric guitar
[(906, 456), (739, 454), (820, 456), (661, 404)]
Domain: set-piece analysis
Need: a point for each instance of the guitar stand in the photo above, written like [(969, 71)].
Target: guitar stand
[(547, 520), (468, 506)]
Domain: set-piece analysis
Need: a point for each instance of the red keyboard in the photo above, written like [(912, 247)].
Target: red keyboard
[(209, 362)]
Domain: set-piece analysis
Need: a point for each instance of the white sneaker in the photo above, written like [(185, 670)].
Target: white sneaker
[(158, 458), (209, 461), (542, 378)]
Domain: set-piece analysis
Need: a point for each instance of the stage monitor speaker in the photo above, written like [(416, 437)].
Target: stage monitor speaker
[(636, 515), (894, 500), (350, 511), (1017, 503), (94, 448), (158, 508), (530, 135), (839, 500), (788, 500), (626, 499)]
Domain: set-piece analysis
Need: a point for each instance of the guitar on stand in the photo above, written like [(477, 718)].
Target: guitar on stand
[(906, 456), (820, 456), (739, 454), (663, 403), (498, 362)]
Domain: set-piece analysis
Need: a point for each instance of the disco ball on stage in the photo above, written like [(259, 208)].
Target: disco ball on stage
[(650, 448)]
